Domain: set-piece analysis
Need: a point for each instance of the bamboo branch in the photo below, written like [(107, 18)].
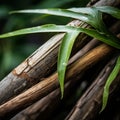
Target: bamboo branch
[(89, 104), (49, 84), (107, 2), (48, 104), (84, 50)]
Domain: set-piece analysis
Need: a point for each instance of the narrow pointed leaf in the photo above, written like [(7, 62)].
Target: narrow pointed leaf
[(39, 29), (64, 54), (84, 10), (66, 13), (110, 79), (115, 12), (88, 15), (108, 39), (95, 17), (88, 18), (57, 12)]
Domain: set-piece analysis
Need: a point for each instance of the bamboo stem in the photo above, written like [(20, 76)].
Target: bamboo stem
[(51, 83), (88, 106)]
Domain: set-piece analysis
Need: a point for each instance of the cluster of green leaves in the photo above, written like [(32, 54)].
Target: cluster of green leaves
[(90, 15), (21, 47)]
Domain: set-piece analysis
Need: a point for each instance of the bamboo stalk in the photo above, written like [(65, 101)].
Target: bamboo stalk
[(51, 83), (89, 105), (48, 104)]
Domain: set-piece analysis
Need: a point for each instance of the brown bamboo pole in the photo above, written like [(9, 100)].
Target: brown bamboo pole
[(49, 84), (89, 105), (46, 105)]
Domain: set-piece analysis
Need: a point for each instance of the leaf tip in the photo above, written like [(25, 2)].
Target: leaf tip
[(103, 107), (11, 12), (62, 90)]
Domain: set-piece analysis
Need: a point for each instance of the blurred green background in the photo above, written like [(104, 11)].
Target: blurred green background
[(14, 50)]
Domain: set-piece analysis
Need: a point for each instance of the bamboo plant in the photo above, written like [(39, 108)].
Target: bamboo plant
[(90, 15)]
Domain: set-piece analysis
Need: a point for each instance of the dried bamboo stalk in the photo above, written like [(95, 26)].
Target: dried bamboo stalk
[(48, 104), (49, 84), (107, 2), (90, 103)]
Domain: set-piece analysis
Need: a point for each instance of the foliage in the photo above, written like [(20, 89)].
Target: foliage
[(21, 47), (92, 16)]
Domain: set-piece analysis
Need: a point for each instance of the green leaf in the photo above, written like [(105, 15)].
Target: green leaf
[(110, 79), (84, 10), (108, 39), (64, 54), (94, 17), (39, 29), (115, 12), (55, 11), (88, 18), (91, 15)]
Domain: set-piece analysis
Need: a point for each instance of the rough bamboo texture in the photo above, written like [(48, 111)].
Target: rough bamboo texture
[(89, 104), (46, 86), (48, 104)]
